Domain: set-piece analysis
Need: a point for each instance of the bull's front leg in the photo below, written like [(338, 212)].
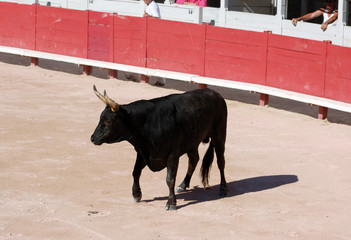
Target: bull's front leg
[(172, 168), (138, 167)]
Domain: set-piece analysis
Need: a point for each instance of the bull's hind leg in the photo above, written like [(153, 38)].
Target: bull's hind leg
[(138, 167), (172, 168), (219, 148), (193, 160)]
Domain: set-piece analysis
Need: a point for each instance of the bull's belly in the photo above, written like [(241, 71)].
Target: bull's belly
[(156, 164)]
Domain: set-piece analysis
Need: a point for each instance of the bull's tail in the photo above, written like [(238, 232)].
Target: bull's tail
[(206, 164)]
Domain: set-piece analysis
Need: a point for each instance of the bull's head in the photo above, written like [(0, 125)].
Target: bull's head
[(110, 128)]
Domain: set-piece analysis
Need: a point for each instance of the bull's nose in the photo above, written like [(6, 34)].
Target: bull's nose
[(92, 139)]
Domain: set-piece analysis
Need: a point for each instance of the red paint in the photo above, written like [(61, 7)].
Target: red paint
[(235, 55), (99, 36), (62, 31), (130, 40), (175, 46), (322, 113), (264, 99), (338, 74), (17, 25), (296, 64)]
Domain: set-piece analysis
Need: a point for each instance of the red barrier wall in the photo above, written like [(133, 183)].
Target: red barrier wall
[(305, 66), (296, 64), (100, 36), (130, 40), (17, 25), (176, 46), (338, 74), (62, 31), (236, 55)]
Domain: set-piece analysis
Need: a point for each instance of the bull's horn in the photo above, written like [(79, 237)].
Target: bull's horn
[(114, 106), (99, 95)]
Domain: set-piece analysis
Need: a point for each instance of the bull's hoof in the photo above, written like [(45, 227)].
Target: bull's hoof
[(180, 189), (170, 207), (137, 199)]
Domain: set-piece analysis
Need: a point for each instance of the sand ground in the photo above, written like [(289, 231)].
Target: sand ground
[(288, 172)]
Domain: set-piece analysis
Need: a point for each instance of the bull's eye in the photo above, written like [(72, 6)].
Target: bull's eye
[(107, 123)]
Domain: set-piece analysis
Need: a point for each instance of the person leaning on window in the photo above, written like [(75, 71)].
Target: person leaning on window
[(330, 14), (151, 9)]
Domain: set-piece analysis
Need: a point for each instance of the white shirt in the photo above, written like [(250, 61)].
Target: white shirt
[(153, 10), (326, 17)]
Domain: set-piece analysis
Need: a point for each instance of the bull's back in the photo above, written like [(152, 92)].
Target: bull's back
[(187, 119)]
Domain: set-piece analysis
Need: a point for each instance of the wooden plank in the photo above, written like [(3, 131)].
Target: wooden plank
[(235, 36), (180, 55), (176, 46), (338, 74), (235, 55), (17, 25), (98, 55), (129, 42), (99, 36), (283, 76), (235, 50), (296, 64), (296, 44)]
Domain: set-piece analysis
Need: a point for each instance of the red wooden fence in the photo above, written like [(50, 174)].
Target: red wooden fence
[(17, 25), (299, 65), (236, 55), (338, 74), (176, 46), (296, 64), (100, 36), (129, 45), (62, 31)]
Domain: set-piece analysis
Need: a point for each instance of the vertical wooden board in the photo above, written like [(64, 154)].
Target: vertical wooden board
[(99, 36), (99, 18), (99, 44), (129, 40), (62, 31), (338, 74), (235, 55), (296, 65), (17, 25), (339, 61), (176, 46), (98, 55)]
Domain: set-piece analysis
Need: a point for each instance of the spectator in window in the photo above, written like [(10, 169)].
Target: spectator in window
[(200, 3), (330, 14), (151, 9)]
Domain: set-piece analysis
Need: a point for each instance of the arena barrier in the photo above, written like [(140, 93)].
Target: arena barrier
[(304, 70)]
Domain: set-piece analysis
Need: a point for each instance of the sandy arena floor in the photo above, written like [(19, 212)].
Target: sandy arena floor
[(288, 173)]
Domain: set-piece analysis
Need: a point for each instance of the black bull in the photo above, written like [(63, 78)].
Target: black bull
[(163, 129)]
